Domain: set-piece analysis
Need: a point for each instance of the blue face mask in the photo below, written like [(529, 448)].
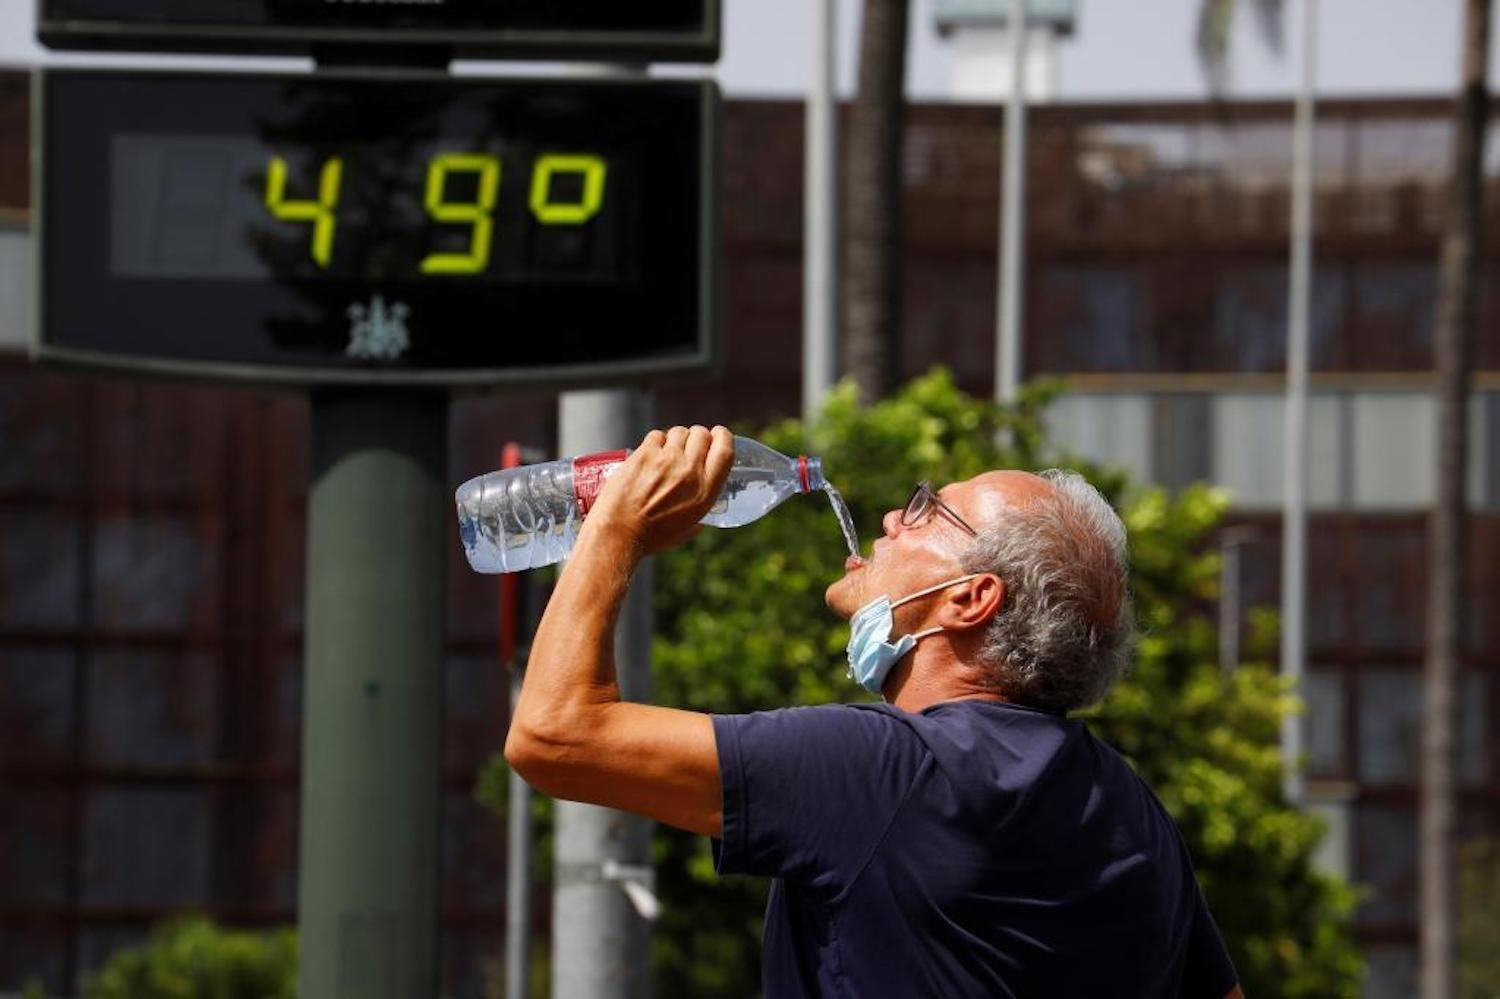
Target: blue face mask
[(871, 654)]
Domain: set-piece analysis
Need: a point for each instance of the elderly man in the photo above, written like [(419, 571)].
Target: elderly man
[(963, 838)]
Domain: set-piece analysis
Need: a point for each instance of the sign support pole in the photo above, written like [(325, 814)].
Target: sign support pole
[(378, 531)]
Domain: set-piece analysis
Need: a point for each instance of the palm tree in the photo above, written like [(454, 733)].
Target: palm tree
[(1215, 18), (1453, 342), (872, 211)]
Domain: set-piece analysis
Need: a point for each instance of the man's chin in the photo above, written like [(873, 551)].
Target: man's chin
[(839, 596)]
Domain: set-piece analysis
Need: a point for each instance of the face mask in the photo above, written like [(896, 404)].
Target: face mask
[(871, 654)]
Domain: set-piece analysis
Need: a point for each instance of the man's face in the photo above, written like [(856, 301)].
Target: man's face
[(905, 559)]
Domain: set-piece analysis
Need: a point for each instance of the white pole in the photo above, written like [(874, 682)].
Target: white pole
[(1294, 521), (1012, 222), (820, 217), (601, 942)]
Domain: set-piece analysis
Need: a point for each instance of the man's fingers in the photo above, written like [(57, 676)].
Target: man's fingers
[(695, 448), (720, 459)]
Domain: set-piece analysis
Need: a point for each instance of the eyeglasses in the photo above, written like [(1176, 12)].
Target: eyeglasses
[(922, 504)]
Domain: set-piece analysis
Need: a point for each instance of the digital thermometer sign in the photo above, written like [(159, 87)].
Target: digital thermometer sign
[(600, 30), (413, 229)]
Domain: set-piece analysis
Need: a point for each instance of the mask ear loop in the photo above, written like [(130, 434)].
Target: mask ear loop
[(918, 635), (933, 589)]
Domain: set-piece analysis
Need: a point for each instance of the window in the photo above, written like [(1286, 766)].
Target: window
[(147, 847), (152, 710), (1249, 444), (1323, 723), (1109, 429), (1390, 727)]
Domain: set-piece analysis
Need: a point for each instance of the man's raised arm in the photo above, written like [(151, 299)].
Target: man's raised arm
[(571, 735)]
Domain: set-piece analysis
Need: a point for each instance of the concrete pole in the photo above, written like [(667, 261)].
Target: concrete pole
[(1294, 520), (820, 217), (379, 529), (600, 936), (520, 841), (1012, 217)]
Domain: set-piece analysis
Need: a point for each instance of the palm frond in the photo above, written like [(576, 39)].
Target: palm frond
[(1215, 20)]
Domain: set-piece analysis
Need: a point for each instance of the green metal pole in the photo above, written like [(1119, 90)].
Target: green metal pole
[(378, 527)]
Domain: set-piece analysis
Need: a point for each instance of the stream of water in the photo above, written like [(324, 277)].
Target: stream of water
[(846, 522)]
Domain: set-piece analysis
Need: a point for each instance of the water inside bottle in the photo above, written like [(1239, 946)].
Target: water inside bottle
[(519, 518), (846, 522)]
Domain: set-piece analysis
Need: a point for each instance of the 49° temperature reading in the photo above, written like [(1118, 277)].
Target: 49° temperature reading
[(476, 211)]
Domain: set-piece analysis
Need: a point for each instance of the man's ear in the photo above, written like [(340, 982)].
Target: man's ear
[(972, 604)]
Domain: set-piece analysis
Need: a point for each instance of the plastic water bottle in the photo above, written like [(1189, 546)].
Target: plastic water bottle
[(522, 518)]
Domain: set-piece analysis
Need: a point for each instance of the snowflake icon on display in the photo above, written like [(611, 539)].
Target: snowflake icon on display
[(378, 331)]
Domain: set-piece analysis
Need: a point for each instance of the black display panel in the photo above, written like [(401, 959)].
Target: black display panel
[(610, 30), (326, 228)]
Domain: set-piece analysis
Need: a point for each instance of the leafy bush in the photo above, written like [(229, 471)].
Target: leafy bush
[(193, 959)]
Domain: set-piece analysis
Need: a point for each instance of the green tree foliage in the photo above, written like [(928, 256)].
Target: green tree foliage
[(1479, 918), (193, 959), (741, 626)]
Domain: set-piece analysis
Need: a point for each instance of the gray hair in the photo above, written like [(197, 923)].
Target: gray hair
[(1064, 634)]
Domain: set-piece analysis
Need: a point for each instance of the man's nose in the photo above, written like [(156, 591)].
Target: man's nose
[(891, 523)]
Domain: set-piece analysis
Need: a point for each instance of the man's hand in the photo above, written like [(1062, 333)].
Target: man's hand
[(665, 488)]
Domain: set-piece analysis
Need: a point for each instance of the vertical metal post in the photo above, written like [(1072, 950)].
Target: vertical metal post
[(600, 940), (520, 847), (378, 534), (1294, 521), (820, 217), (1012, 216)]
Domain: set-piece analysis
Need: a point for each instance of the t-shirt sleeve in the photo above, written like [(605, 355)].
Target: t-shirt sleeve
[(1207, 972), (809, 792)]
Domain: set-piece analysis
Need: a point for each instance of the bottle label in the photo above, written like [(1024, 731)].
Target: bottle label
[(589, 473)]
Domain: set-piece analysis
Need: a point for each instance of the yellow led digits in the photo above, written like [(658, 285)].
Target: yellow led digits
[(319, 213), (477, 213), (567, 213)]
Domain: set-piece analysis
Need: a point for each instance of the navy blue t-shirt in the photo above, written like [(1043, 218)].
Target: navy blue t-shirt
[(974, 849)]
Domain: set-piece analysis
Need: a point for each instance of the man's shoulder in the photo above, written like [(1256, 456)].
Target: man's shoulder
[(872, 712), (860, 741), (817, 721), (1009, 724)]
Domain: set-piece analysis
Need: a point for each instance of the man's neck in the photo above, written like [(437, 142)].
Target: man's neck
[(933, 676)]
